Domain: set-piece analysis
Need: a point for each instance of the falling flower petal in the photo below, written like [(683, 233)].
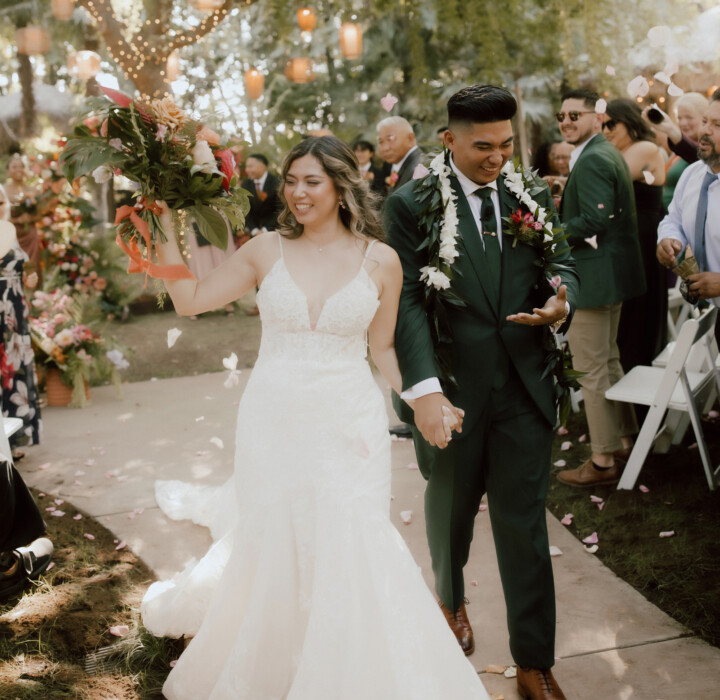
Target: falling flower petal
[(562, 430), (88, 536), (638, 87), (420, 172), (600, 106), (119, 630), (667, 533), (694, 446), (596, 499), (77, 517), (172, 335), (172, 663), (495, 668), (406, 516), (121, 545), (675, 91), (591, 550), (601, 206), (662, 77), (591, 539), (644, 488), (583, 438), (58, 513), (567, 520), (555, 551), (566, 446), (388, 102), (671, 67), (609, 70), (230, 362), (45, 465), (659, 36), (560, 463), (217, 442), (482, 507), (413, 465), (555, 281), (510, 672), (601, 505), (592, 241), (649, 177)]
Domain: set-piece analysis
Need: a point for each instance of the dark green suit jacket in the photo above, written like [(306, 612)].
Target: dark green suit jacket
[(481, 333), (599, 202)]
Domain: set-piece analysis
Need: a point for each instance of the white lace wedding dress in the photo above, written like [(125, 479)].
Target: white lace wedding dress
[(309, 592)]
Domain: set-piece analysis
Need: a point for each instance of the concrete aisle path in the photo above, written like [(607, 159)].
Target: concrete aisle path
[(611, 642)]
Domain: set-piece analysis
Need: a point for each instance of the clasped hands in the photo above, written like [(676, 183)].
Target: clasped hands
[(436, 418), (555, 310), (704, 285)]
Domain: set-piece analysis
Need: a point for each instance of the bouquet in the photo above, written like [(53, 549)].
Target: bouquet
[(687, 265), (170, 157)]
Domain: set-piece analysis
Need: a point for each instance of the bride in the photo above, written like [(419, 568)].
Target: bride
[(309, 592)]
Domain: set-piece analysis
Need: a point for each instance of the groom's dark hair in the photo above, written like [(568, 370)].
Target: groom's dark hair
[(589, 97), (481, 104)]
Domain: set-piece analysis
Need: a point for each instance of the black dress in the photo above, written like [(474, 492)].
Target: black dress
[(643, 322)]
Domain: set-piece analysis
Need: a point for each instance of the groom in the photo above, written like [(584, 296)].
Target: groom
[(498, 363)]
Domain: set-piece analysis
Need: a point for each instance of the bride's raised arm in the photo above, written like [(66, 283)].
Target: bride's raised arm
[(225, 284)]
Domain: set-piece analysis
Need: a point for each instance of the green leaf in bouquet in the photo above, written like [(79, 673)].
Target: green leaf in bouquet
[(211, 223), (82, 155)]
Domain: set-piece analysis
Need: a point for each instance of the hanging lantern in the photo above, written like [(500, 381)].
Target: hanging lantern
[(299, 70), (84, 64), (254, 83), (173, 66), (207, 5), (351, 40), (62, 9), (306, 19), (32, 40)]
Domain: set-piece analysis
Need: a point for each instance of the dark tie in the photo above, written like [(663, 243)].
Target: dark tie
[(700, 220), (488, 221)]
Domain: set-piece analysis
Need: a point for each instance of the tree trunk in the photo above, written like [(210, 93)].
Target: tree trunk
[(28, 115)]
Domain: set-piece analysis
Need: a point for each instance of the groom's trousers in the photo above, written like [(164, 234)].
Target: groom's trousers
[(505, 453)]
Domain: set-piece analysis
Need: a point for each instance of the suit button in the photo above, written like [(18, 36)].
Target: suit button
[(536, 286)]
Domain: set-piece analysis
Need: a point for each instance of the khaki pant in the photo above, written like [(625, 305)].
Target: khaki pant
[(593, 344)]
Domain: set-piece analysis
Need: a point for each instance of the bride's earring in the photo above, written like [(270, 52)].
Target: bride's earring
[(341, 203)]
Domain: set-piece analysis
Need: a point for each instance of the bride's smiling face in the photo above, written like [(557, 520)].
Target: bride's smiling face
[(310, 192)]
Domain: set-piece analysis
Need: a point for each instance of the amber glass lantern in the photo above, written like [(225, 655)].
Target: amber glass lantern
[(306, 19), (32, 40), (299, 70), (62, 9), (254, 83), (351, 40)]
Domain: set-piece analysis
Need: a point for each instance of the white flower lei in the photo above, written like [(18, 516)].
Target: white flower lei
[(515, 181)]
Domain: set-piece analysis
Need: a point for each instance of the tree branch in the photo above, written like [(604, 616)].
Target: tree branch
[(205, 27)]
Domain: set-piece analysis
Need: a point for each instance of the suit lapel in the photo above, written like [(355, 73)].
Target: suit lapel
[(470, 241)]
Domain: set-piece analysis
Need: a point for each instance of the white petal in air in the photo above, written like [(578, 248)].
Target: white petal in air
[(230, 362), (609, 70), (592, 241), (659, 36), (420, 172), (649, 177), (675, 91), (600, 106), (388, 102), (671, 67), (172, 336), (638, 87), (662, 77)]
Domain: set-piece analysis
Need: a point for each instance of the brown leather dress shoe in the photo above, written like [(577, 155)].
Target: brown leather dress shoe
[(538, 684), (460, 626), (586, 476)]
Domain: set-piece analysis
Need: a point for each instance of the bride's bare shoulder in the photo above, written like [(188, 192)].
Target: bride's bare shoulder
[(384, 255)]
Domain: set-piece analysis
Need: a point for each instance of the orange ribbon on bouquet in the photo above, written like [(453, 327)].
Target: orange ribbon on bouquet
[(137, 263)]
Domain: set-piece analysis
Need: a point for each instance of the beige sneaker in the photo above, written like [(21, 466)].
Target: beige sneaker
[(586, 476)]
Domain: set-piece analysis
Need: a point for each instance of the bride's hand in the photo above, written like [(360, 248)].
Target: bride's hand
[(452, 420)]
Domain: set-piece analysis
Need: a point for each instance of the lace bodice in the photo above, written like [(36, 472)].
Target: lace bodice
[(341, 328)]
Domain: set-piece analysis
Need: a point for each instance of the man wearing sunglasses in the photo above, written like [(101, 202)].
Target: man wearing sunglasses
[(598, 211)]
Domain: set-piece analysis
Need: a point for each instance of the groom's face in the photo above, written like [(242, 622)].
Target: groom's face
[(480, 150)]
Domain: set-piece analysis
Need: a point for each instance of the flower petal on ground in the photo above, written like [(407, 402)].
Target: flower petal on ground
[(555, 551), (562, 430), (482, 507), (644, 488), (413, 465), (567, 520), (583, 438), (591, 539), (88, 536), (667, 533), (596, 499), (406, 516), (566, 445), (591, 550), (119, 630), (172, 335), (45, 465), (510, 672), (560, 463), (473, 582), (495, 668), (217, 441), (77, 517), (57, 513), (230, 362), (121, 545)]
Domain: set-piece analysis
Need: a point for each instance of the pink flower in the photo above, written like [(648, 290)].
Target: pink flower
[(100, 284), (160, 133)]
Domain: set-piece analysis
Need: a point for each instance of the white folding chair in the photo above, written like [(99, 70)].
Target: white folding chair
[(678, 311), (676, 388)]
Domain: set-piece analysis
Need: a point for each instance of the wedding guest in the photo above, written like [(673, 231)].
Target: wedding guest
[(264, 203), (498, 337), (23, 198), (397, 146), (694, 215), (552, 161), (642, 333), (440, 135), (681, 136), (364, 151), (598, 211), (17, 361)]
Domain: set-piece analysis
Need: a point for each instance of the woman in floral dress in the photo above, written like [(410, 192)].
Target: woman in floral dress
[(17, 366)]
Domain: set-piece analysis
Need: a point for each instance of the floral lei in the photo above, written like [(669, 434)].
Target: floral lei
[(438, 219)]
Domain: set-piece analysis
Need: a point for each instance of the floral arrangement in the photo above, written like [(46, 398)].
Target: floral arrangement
[(533, 227), (62, 339), (171, 157)]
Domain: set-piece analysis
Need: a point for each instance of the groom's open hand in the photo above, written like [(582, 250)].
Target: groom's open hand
[(554, 310), (431, 421)]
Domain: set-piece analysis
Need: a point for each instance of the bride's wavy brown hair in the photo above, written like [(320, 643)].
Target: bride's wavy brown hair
[(361, 213)]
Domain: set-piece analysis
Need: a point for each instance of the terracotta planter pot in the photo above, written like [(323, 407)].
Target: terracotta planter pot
[(58, 393)]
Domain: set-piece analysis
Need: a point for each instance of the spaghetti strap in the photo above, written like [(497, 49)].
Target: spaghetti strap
[(367, 251), (280, 244)]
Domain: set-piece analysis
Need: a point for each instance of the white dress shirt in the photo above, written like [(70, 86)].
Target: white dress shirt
[(260, 184), (396, 166), (680, 220), (578, 150)]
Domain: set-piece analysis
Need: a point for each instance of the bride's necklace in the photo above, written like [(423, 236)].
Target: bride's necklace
[(324, 246)]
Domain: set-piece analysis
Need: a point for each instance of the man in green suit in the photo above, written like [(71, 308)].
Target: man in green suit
[(496, 342), (598, 211)]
